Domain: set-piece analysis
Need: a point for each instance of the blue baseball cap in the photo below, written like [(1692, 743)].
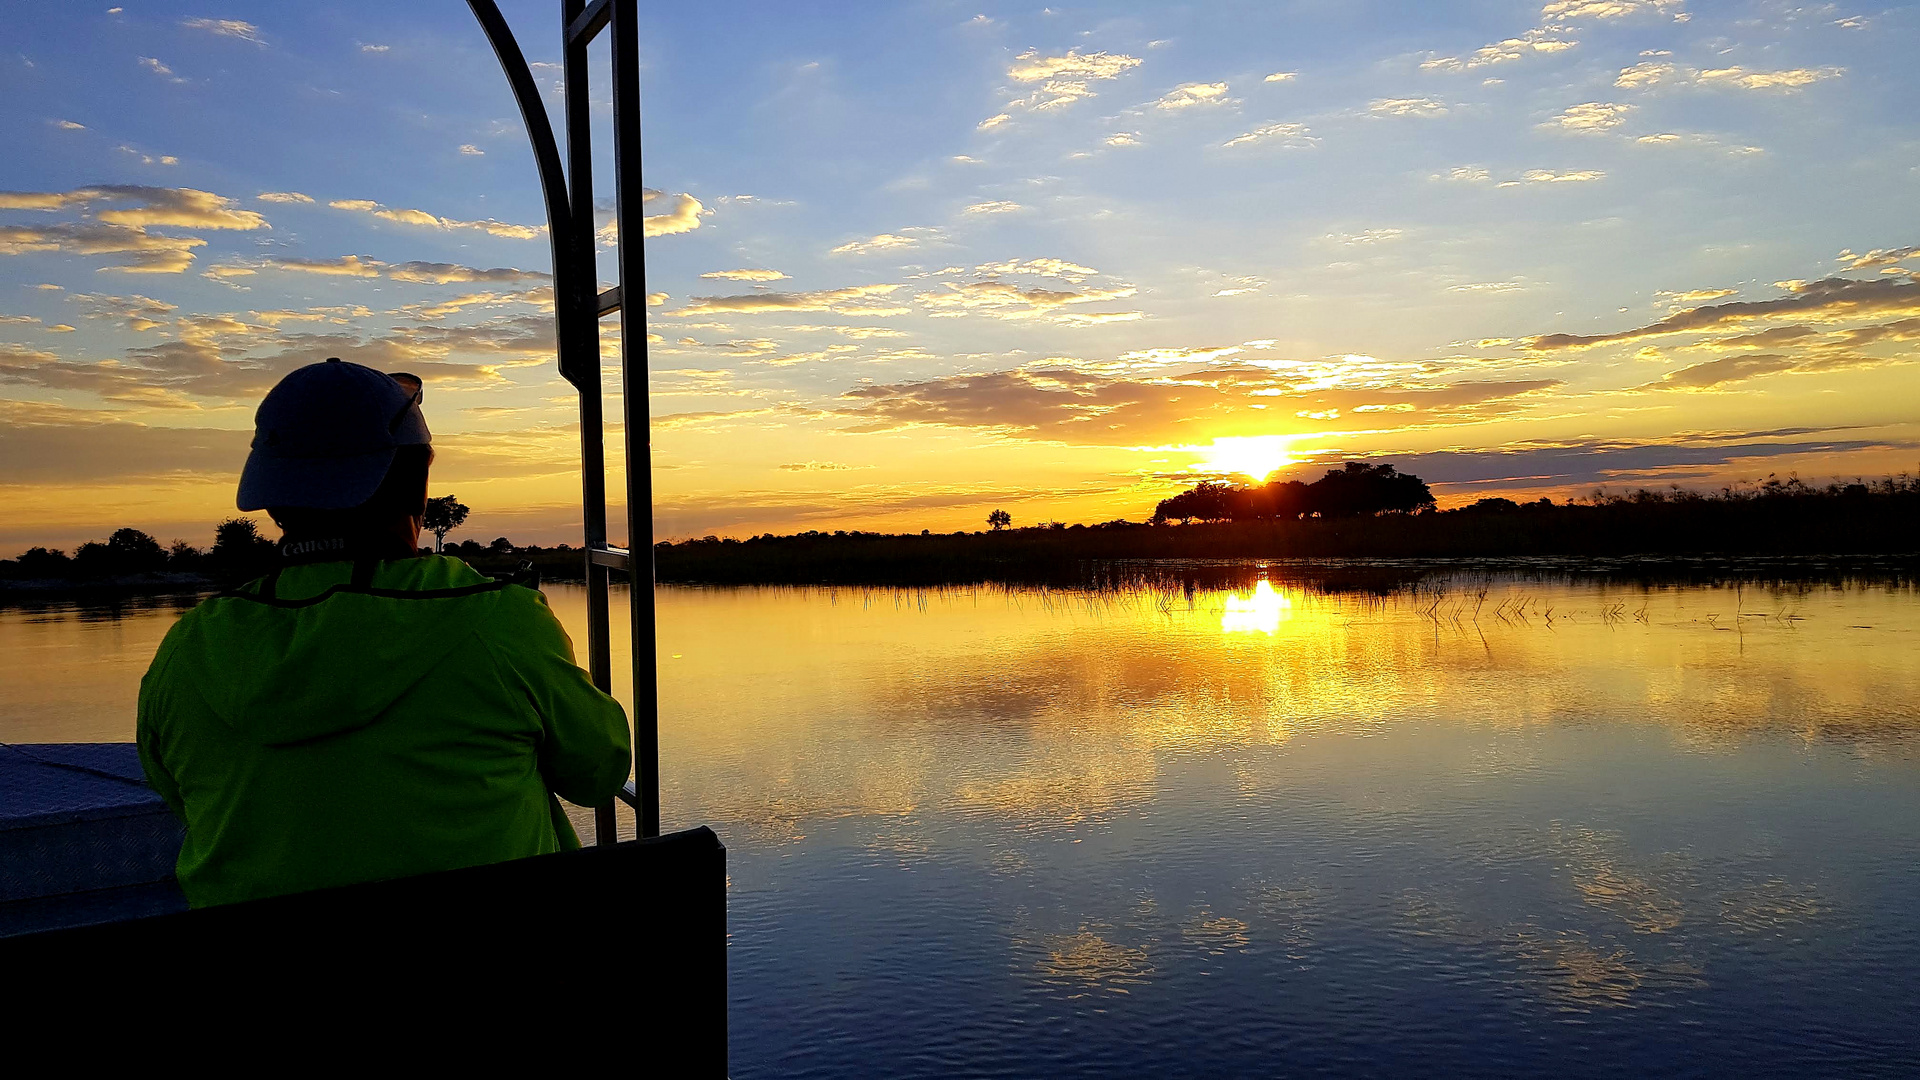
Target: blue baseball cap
[(325, 436)]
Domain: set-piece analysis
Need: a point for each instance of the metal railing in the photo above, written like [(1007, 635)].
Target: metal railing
[(579, 304)]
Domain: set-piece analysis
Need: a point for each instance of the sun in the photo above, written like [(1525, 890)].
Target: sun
[(1254, 456)]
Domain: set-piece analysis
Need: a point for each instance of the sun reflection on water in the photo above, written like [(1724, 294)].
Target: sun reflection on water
[(1263, 612)]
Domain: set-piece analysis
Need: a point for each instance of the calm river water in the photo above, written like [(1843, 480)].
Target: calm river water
[(1598, 830)]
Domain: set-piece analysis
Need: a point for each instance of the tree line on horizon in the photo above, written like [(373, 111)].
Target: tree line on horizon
[(238, 549), (1343, 498)]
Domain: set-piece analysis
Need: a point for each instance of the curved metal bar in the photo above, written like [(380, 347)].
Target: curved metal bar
[(546, 157)]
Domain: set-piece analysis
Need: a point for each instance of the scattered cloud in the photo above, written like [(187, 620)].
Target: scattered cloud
[(1650, 73), (905, 238), (1464, 174), (141, 252), (1189, 95), (1059, 81), (1368, 236), (1123, 138), (743, 275), (1407, 107), (433, 221), (68, 125), (999, 206), (1548, 176), (148, 159), (1694, 296), (1562, 11), (1592, 116), (160, 69), (1064, 405), (1538, 42), (855, 299), (283, 197), (1282, 76), (1287, 136), (814, 466), (1005, 300), (1060, 268), (1672, 138), (683, 216), (370, 48), (1828, 298), (344, 266), (470, 149), (1877, 257), (233, 28), (363, 266)]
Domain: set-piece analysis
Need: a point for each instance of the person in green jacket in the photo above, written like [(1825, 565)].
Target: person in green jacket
[(365, 712)]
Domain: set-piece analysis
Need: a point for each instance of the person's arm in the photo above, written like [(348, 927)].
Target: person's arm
[(588, 751)]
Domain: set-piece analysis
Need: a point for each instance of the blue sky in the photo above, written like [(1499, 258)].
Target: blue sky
[(1059, 259)]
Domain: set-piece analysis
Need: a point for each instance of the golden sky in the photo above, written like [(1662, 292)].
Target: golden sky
[(908, 268)]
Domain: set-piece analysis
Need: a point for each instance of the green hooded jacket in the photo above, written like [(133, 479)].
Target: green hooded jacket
[(314, 731)]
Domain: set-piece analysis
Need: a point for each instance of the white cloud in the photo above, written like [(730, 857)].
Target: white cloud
[(1062, 80), (1281, 76), (1877, 257), (1537, 42), (148, 159), (160, 69), (1792, 79), (1290, 136), (233, 28), (367, 48), (998, 206), (1547, 176), (1572, 10), (1592, 116), (433, 221), (1650, 73), (1407, 107), (992, 122), (1464, 174), (68, 125), (1123, 138), (283, 197), (143, 252), (1005, 300), (744, 275), (469, 148), (866, 300), (905, 238), (1188, 95), (1670, 138), (1369, 236), (1042, 267)]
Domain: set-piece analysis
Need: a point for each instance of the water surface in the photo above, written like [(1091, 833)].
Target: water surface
[(1498, 825)]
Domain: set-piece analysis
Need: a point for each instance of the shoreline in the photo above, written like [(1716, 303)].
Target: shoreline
[(1366, 573)]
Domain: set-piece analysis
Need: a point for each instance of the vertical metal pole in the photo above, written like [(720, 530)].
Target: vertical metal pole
[(579, 324), (631, 215)]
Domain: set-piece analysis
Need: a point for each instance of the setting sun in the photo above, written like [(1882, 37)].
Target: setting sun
[(1254, 456)]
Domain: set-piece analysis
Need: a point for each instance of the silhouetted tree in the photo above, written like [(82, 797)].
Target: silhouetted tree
[(443, 515), (1362, 489), (239, 551), (999, 519), (1355, 489), (183, 556), (40, 562), (500, 546)]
